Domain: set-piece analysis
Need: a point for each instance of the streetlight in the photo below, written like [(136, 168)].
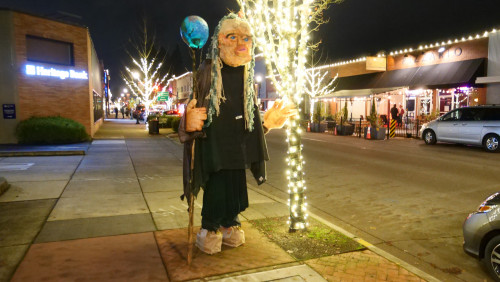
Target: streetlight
[(135, 75)]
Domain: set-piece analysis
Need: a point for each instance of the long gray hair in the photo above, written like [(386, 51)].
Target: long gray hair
[(216, 95)]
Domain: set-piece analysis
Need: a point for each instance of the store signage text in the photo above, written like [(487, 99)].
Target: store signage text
[(434, 56), (9, 111), (52, 72)]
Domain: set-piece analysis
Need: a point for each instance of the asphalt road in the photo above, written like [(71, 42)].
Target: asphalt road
[(403, 196)]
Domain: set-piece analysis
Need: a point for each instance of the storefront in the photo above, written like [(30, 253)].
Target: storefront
[(430, 79), (49, 68)]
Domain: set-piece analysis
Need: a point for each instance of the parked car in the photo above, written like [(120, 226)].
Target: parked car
[(479, 125), (481, 232), (172, 112)]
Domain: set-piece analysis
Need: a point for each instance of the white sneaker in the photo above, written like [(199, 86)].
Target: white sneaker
[(209, 242), (233, 236)]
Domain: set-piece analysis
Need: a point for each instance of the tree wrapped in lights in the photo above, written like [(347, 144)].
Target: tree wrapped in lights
[(282, 29), (317, 83), (146, 74)]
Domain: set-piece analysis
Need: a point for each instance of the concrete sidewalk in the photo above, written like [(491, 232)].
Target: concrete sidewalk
[(114, 214)]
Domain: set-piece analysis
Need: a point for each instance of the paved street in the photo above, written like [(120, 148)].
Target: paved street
[(406, 198), (114, 214)]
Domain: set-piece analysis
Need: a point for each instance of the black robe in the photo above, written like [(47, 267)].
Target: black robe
[(225, 144)]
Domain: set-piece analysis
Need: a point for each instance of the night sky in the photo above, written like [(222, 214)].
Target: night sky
[(356, 27)]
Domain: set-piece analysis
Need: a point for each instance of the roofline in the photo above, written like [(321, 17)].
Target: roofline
[(43, 17)]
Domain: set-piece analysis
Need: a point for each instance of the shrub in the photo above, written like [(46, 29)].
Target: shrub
[(169, 121), (152, 117), (373, 118), (175, 123), (317, 113), (50, 130)]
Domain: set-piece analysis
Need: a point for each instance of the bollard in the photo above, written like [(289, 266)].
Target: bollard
[(392, 129)]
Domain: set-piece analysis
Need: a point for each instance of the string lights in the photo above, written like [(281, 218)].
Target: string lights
[(145, 85), (409, 50), (281, 29), (316, 86)]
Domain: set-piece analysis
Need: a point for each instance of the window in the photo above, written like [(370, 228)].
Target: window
[(98, 111), (452, 116), (470, 114), (50, 51), (492, 114)]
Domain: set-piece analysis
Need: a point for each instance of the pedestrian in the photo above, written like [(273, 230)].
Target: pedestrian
[(401, 115), (223, 124), (394, 112), (137, 113), (116, 112), (122, 110)]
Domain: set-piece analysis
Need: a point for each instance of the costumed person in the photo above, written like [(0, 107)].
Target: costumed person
[(223, 134)]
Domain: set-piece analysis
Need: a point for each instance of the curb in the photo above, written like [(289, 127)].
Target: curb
[(4, 185), (42, 153), (369, 246)]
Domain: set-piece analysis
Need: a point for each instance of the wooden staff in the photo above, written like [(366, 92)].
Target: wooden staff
[(191, 211), (191, 176)]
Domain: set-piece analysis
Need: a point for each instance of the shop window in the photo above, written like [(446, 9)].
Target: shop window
[(98, 111), (50, 51)]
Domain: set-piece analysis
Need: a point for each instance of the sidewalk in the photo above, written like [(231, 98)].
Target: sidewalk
[(114, 214)]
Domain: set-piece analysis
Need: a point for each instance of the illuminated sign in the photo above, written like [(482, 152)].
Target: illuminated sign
[(52, 72), (376, 64)]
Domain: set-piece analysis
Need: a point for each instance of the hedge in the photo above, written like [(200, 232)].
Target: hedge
[(50, 130), (175, 123)]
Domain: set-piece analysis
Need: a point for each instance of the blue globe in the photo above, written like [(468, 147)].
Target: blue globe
[(194, 31)]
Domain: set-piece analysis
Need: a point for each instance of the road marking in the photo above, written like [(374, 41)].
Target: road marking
[(108, 142), (364, 243), (315, 140), (15, 166)]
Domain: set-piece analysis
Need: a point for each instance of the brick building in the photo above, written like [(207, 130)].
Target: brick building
[(439, 76), (47, 68)]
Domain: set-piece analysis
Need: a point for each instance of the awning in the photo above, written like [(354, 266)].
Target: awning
[(397, 78), (447, 75), (355, 82), (358, 92), (488, 79)]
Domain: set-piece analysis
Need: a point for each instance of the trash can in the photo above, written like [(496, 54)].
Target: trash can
[(153, 127)]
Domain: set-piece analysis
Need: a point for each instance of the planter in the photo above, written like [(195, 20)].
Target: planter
[(375, 134), (314, 127), (318, 127), (345, 130), (330, 126)]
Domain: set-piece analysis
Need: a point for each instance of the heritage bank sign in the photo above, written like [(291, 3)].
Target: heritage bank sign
[(34, 70)]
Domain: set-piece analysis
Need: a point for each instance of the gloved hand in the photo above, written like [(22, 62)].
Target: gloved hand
[(276, 116), (195, 117)]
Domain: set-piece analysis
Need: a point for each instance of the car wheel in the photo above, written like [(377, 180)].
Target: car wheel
[(492, 257), (490, 143), (429, 137)]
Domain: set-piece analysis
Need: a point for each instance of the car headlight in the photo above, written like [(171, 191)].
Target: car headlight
[(485, 206), (424, 126)]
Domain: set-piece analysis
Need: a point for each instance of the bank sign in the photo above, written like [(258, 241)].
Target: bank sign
[(35, 70)]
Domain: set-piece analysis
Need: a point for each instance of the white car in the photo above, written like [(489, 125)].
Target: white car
[(479, 125)]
